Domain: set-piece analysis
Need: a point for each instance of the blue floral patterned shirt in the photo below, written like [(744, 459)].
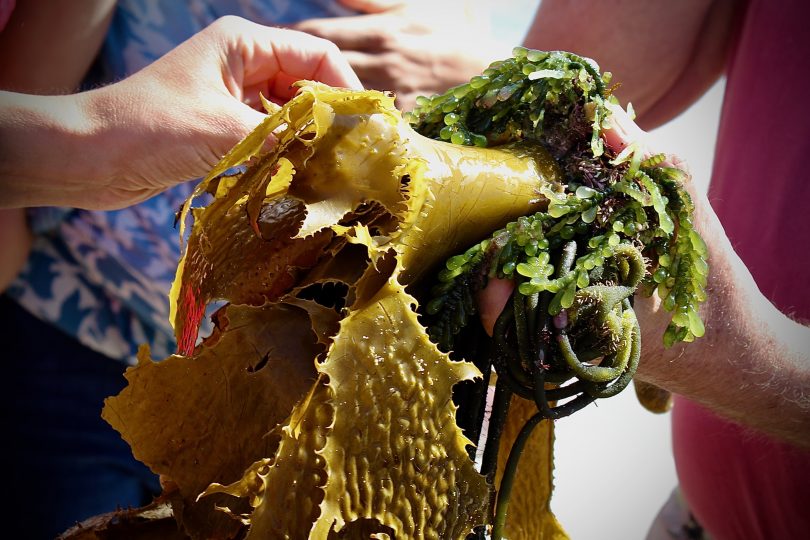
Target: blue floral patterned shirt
[(104, 277)]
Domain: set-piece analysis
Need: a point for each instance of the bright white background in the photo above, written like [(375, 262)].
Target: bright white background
[(614, 466)]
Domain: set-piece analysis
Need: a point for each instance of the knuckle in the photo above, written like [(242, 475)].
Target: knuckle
[(229, 24), (392, 67), (328, 47), (383, 40)]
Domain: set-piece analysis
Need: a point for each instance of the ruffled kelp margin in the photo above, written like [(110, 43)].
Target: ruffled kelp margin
[(319, 406)]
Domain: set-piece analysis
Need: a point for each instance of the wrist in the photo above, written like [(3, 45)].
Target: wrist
[(752, 359), (103, 146), (41, 157)]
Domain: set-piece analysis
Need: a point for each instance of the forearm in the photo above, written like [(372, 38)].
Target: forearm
[(45, 50), (752, 365), (661, 67), (44, 143), (170, 122)]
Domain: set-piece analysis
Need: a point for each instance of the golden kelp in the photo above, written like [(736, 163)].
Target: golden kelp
[(373, 437)]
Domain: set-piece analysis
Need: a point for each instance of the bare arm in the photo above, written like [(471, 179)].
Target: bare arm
[(48, 47), (752, 365), (45, 49), (665, 54), (15, 243)]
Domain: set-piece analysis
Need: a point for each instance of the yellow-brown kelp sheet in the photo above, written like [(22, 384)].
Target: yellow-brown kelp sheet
[(318, 407)]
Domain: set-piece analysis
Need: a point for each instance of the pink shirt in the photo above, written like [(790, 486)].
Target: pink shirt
[(740, 484)]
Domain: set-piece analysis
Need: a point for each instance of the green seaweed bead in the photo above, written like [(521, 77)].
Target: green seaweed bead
[(450, 105), (536, 56), (581, 227), (456, 261), (519, 52), (461, 91), (567, 232), (475, 83), (479, 140)]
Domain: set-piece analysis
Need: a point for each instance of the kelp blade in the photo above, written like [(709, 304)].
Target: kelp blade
[(374, 441), (340, 150)]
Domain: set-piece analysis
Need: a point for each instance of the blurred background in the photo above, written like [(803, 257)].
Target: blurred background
[(614, 466)]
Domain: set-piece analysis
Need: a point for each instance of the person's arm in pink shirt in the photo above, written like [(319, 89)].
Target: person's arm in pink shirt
[(664, 54)]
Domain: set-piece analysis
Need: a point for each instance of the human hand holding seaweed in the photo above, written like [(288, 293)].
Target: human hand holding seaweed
[(170, 122), (742, 329), (619, 132), (746, 336), (746, 339)]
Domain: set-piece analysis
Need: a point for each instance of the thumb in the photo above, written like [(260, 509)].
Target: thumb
[(491, 301), (622, 130), (222, 127), (242, 119)]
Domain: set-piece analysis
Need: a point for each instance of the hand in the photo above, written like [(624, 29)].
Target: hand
[(652, 317), (622, 132), (170, 122), (747, 340), (413, 48), (193, 105)]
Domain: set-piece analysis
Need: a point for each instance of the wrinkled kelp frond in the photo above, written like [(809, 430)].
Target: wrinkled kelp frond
[(349, 207)]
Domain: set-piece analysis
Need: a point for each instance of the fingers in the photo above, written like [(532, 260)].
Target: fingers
[(375, 70), (287, 56), (622, 131), (362, 33), (373, 6), (244, 119), (491, 301), (274, 58), (386, 72)]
